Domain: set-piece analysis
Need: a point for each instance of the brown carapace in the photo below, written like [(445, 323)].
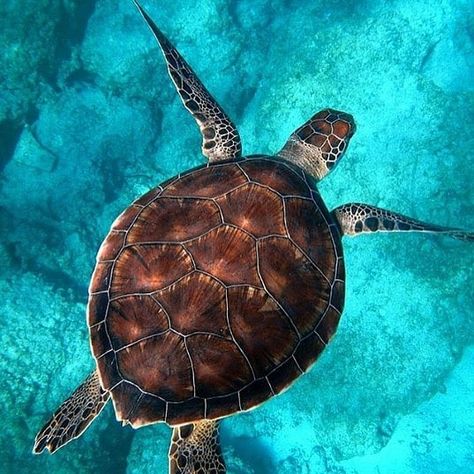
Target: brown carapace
[(214, 292)]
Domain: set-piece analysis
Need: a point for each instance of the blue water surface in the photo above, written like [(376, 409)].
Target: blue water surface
[(89, 121)]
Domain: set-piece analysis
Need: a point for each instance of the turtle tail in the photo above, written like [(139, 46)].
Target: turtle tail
[(73, 417)]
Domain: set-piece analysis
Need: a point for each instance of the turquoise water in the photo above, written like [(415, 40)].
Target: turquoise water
[(89, 121)]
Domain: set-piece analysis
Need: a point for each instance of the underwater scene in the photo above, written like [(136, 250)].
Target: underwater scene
[(90, 121)]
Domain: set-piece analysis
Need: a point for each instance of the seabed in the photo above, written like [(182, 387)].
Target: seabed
[(89, 121)]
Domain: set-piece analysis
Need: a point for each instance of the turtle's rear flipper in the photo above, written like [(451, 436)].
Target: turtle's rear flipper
[(73, 416), (355, 219), (195, 449)]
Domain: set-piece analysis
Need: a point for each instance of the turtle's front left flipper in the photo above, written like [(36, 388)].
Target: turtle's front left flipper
[(356, 218), (195, 449), (220, 139), (73, 416)]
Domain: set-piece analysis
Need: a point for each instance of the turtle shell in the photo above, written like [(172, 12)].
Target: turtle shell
[(214, 291)]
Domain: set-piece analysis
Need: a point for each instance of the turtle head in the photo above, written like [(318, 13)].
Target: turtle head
[(318, 144)]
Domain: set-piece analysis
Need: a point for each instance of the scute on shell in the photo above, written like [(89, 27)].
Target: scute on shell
[(214, 292)]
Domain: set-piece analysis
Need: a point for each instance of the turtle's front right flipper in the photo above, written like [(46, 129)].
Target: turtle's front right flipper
[(355, 218), (220, 139), (195, 449), (73, 416)]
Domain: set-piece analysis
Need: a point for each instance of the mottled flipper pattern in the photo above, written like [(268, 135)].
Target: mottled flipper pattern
[(319, 144), (73, 416), (195, 449), (221, 140), (356, 218)]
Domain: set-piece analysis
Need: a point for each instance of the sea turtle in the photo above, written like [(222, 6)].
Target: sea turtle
[(217, 289)]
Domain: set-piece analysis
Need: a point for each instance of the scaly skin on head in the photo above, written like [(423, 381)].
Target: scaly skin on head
[(319, 144)]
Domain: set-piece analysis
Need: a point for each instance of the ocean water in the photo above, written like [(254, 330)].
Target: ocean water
[(89, 121)]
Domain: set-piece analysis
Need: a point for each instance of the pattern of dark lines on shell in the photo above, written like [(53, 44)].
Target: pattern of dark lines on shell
[(214, 291)]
